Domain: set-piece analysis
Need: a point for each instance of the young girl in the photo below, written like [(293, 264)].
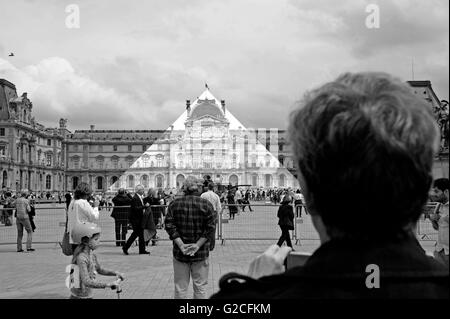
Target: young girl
[(87, 235)]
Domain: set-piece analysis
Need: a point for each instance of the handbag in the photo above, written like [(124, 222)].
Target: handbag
[(65, 244)]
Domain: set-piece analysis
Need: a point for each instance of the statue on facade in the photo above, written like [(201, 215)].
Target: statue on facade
[(442, 117)]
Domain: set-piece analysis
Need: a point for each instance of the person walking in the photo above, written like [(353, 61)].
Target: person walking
[(189, 223), (23, 221), (285, 220), (120, 213), (135, 217)]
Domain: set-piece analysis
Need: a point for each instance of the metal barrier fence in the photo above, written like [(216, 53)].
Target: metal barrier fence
[(259, 224)]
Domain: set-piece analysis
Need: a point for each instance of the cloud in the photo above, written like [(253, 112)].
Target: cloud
[(57, 90)]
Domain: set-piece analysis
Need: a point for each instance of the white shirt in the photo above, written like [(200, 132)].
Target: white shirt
[(442, 242), (214, 199), (81, 211)]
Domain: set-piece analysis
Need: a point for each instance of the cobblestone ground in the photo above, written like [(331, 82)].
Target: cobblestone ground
[(41, 274)]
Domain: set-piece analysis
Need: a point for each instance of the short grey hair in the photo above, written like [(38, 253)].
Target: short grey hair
[(24, 193), (366, 141), (190, 184)]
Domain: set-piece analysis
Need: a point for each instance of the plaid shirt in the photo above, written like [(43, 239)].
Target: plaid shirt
[(190, 218)]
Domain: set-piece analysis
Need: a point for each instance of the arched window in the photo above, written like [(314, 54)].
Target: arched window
[(233, 180), (130, 181), (99, 182), (180, 160), (253, 159), (159, 181), (48, 182), (4, 179), (268, 180), (113, 182), (180, 180), (144, 181), (282, 180), (74, 182), (255, 180)]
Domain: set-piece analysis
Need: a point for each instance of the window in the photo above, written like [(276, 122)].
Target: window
[(99, 182), (130, 181), (159, 160), (76, 164), (100, 148), (233, 165), (2, 150), (100, 162), (281, 160), (75, 148), (49, 159), (49, 142), (129, 161), (160, 147), (2, 131), (130, 147), (145, 160), (74, 182), (115, 163), (280, 147), (48, 182), (144, 148), (115, 148), (159, 181)]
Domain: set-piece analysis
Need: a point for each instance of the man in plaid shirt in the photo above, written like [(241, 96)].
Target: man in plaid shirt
[(189, 223)]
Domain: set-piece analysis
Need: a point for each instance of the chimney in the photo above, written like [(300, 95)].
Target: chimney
[(92, 127), (223, 105)]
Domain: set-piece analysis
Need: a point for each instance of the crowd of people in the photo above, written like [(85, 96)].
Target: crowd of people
[(358, 139)]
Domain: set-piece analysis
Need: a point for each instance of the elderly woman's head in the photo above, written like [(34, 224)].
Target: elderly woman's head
[(364, 145), (82, 191)]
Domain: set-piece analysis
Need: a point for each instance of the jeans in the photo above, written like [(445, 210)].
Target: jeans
[(21, 224), (182, 273)]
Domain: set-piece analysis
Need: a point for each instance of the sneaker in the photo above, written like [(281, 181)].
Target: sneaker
[(31, 249), (144, 253), (20, 251), (125, 251)]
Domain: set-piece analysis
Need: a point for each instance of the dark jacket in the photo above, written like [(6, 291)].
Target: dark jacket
[(121, 213), (337, 269), (286, 216), (136, 211)]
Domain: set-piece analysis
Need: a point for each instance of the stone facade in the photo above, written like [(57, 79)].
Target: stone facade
[(205, 140)]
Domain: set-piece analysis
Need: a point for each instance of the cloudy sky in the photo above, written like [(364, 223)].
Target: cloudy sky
[(132, 64)]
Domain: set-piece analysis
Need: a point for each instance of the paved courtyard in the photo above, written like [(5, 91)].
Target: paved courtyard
[(41, 274)]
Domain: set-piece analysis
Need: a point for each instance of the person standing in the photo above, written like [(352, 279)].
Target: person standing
[(80, 210), (189, 223), (246, 201), (136, 216), (440, 193), (285, 220), (23, 221), (214, 199), (120, 214), (232, 207), (68, 199)]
